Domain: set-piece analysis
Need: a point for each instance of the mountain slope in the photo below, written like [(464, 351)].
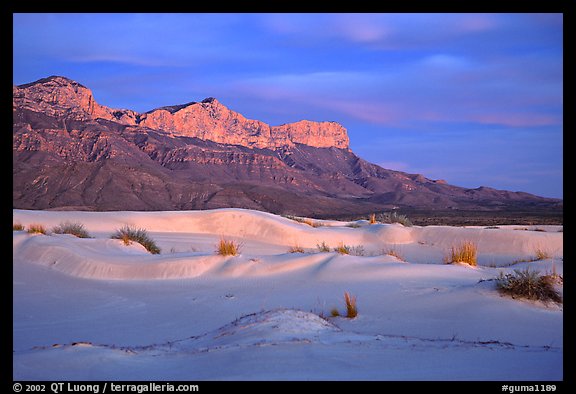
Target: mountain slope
[(71, 152)]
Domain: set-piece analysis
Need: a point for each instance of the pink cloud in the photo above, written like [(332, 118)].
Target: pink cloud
[(477, 23), (518, 120), (373, 112)]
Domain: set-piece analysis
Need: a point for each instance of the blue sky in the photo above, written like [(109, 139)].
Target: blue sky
[(475, 99)]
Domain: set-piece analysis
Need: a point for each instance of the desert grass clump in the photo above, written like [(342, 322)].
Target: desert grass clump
[(129, 234), (334, 312), (17, 227), (296, 249), (227, 247), (528, 284), (351, 308), (76, 229), (372, 219), (323, 248), (343, 249), (36, 229), (464, 253)]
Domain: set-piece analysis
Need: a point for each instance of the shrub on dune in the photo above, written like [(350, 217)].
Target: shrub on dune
[(128, 234), (464, 253), (323, 248), (296, 249), (17, 227), (76, 229), (529, 285), (36, 229), (227, 248), (342, 249), (357, 250), (393, 217)]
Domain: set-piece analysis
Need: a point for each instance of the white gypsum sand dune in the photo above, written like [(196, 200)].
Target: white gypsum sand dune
[(98, 309)]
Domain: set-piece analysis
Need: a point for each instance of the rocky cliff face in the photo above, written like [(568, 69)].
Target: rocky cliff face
[(63, 98), (206, 120)]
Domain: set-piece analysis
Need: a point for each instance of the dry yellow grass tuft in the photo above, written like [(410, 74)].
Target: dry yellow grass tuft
[(541, 254), (296, 249), (342, 249), (227, 248), (351, 308), (128, 234), (464, 253), (36, 229), (372, 219)]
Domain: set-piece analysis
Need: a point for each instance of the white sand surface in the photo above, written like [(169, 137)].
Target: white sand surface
[(96, 309)]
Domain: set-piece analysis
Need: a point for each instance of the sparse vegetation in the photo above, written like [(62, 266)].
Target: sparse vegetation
[(76, 229), (342, 249), (541, 254), (227, 247), (128, 234), (393, 217), (296, 249), (351, 308), (491, 227), (17, 227), (357, 250), (464, 253), (36, 229), (372, 219), (395, 253), (308, 221), (353, 225), (529, 285), (323, 248)]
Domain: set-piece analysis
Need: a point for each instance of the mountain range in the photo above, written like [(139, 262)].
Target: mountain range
[(70, 152)]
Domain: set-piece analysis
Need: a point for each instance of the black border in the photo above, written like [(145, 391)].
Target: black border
[(566, 7)]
